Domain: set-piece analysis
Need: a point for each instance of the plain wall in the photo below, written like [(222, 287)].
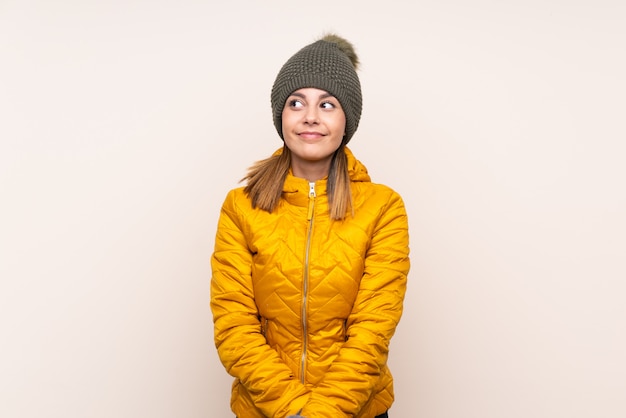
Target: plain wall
[(124, 123)]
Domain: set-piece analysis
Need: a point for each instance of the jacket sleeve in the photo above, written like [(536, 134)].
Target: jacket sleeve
[(237, 329), (351, 378)]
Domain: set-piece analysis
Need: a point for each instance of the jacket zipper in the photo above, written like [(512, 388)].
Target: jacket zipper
[(305, 285), (264, 327)]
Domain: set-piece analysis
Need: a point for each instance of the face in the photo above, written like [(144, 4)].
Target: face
[(313, 127)]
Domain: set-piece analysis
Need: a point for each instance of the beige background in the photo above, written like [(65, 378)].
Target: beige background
[(124, 123)]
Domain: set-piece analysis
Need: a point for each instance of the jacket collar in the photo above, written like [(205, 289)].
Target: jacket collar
[(296, 189), (356, 170)]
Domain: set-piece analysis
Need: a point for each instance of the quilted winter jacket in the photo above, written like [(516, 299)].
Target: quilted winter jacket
[(304, 307)]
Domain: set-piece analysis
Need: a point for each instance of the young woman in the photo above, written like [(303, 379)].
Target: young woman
[(311, 257)]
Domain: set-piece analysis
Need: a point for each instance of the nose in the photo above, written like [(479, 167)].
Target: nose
[(311, 116)]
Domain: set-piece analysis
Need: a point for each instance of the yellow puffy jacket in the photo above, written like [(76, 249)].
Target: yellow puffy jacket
[(304, 307)]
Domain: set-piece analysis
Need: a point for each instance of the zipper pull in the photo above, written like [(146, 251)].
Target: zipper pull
[(311, 200)]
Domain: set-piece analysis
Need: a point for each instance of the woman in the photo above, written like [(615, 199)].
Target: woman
[(311, 257)]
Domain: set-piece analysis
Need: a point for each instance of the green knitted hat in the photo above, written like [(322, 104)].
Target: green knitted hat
[(329, 64)]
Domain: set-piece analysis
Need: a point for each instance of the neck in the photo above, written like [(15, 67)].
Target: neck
[(311, 170)]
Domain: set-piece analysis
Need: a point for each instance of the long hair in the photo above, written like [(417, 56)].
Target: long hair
[(265, 180), (338, 186)]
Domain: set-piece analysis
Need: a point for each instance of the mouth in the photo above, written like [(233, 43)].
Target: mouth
[(310, 135)]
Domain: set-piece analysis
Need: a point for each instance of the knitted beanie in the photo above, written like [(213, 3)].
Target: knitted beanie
[(329, 64)]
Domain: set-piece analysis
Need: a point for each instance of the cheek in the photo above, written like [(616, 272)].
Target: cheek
[(340, 125), (287, 120)]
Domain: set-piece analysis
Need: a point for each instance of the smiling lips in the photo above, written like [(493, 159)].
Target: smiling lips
[(310, 135)]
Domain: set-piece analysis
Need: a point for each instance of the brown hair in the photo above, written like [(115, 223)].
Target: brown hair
[(265, 180)]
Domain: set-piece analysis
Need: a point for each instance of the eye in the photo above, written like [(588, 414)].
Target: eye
[(327, 105), (296, 103)]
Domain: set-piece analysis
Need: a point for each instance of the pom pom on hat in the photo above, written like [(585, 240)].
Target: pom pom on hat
[(344, 46), (328, 64)]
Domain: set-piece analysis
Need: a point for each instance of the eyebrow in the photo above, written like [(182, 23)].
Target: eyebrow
[(322, 96)]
